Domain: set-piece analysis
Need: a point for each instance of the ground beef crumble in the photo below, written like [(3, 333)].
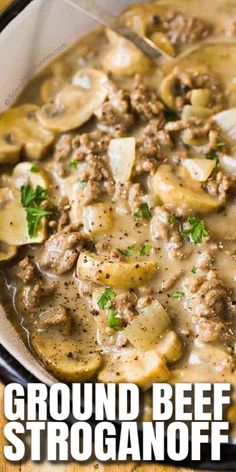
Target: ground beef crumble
[(62, 249), (146, 103), (209, 299), (183, 29)]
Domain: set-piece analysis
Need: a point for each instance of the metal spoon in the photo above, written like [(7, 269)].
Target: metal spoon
[(106, 18)]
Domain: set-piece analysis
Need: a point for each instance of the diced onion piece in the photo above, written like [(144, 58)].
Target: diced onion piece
[(170, 346), (146, 328), (141, 368), (121, 157), (201, 97), (119, 274), (97, 218), (227, 122), (190, 111), (228, 163), (199, 169), (23, 175)]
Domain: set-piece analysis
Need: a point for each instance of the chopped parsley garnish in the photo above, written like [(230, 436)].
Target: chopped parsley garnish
[(130, 251), (194, 269), (104, 301), (73, 164), (34, 169), (83, 184), (197, 231), (112, 320), (172, 219), (31, 200), (213, 152), (136, 250), (146, 249), (171, 115), (178, 294), (143, 212)]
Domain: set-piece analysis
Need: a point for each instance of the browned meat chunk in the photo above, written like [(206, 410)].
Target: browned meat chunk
[(115, 115), (163, 226), (95, 142), (183, 29), (57, 317), (25, 271), (146, 103), (209, 300), (221, 186), (38, 294), (62, 250), (98, 178)]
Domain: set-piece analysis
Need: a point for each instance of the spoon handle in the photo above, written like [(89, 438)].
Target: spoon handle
[(104, 17)]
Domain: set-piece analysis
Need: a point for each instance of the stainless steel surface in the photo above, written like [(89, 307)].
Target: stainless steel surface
[(105, 18)]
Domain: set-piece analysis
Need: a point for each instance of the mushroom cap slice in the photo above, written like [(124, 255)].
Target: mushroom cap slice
[(75, 103), (63, 357), (141, 368), (7, 252), (13, 223), (23, 132), (117, 274), (175, 192)]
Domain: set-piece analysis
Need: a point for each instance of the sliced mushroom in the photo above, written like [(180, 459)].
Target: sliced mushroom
[(97, 218), (123, 58), (7, 252), (179, 193), (141, 368), (75, 103), (115, 273), (13, 223), (20, 131), (55, 83), (63, 357)]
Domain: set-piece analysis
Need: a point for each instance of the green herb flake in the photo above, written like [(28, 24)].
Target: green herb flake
[(112, 320), (146, 249), (83, 184), (130, 251), (172, 219), (143, 212), (194, 269), (104, 301), (178, 294), (213, 153), (197, 230), (31, 200), (73, 165), (34, 169)]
